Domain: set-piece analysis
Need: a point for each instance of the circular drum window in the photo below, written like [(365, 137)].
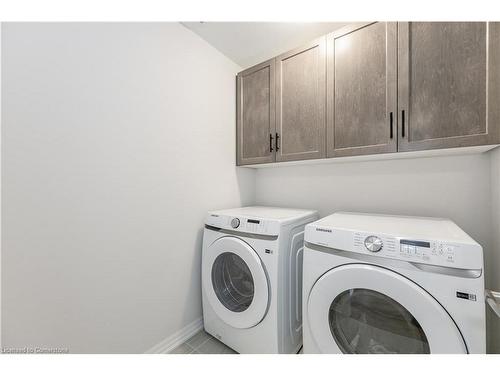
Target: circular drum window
[(232, 282), (364, 321)]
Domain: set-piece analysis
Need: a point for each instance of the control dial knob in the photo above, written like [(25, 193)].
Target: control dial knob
[(373, 243), (235, 223)]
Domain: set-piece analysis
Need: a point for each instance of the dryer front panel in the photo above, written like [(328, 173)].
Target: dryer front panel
[(364, 309), (235, 282)]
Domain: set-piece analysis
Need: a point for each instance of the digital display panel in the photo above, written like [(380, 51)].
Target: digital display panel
[(415, 243), (252, 221)]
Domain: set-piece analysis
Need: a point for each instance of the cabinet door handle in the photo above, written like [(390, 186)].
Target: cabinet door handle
[(390, 122), (270, 143), (403, 123), (277, 141)]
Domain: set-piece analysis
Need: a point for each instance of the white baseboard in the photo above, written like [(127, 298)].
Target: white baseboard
[(174, 340)]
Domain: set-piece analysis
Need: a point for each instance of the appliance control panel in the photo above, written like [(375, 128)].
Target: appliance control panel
[(244, 224), (452, 248), (412, 250), (437, 252)]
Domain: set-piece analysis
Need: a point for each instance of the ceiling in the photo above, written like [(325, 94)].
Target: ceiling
[(248, 43)]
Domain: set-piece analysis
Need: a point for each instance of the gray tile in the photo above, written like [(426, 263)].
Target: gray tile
[(199, 339), (214, 347), (182, 349), (229, 351)]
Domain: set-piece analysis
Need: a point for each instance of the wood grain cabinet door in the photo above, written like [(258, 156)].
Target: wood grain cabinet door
[(449, 76), (362, 89), (255, 114), (301, 102)]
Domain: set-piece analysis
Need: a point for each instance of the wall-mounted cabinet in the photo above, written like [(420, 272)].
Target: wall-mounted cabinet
[(255, 112), (373, 88), (362, 90), (448, 84), (300, 103)]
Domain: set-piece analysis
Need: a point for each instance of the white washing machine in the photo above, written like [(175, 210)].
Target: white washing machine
[(392, 284), (252, 278)]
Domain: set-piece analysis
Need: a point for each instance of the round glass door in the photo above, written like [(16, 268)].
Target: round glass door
[(232, 282), (363, 321), (364, 308)]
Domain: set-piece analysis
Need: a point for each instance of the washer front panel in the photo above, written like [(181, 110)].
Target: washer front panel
[(421, 324)]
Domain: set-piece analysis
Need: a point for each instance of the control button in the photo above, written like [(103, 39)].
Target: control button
[(235, 223), (373, 243), (440, 249)]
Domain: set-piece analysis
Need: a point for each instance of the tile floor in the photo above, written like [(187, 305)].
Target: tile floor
[(202, 343)]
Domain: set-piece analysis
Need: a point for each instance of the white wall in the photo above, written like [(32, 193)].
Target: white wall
[(456, 187), (494, 265), (117, 138), (0, 186)]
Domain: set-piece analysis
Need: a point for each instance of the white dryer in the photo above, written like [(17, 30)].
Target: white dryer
[(252, 278), (392, 284)]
